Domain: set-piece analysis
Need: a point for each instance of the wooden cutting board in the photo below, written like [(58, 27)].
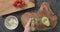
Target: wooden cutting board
[(6, 6), (44, 10)]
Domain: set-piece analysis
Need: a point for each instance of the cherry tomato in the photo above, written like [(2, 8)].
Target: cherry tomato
[(23, 3), (19, 5), (16, 1), (20, 1), (15, 4)]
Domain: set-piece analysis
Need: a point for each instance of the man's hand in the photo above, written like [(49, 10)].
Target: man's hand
[(27, 26)]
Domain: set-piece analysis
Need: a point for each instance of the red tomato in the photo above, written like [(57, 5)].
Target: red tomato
[(23, 3), (19, 5), (20, 1), (15, 4), (16, 0)]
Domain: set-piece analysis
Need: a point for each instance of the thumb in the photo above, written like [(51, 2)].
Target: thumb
[(28, 22)]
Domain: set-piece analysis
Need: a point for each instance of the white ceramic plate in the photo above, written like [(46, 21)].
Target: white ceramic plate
[(11, 22)]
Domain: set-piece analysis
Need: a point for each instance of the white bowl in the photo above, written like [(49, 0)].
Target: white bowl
[(11, 22)]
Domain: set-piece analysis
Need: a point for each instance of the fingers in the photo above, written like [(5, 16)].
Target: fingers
[(27, 26), (28, 22)]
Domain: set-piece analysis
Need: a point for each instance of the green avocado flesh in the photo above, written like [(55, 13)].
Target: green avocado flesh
[(45, 21), (33, 25)]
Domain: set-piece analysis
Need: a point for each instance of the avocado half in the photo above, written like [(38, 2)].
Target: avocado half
[(33, 24)]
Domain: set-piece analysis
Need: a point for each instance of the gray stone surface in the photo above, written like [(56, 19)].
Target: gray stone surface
[(55, 6)]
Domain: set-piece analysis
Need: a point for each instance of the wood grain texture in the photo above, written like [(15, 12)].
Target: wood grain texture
[(6, 6), (43, 11)]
